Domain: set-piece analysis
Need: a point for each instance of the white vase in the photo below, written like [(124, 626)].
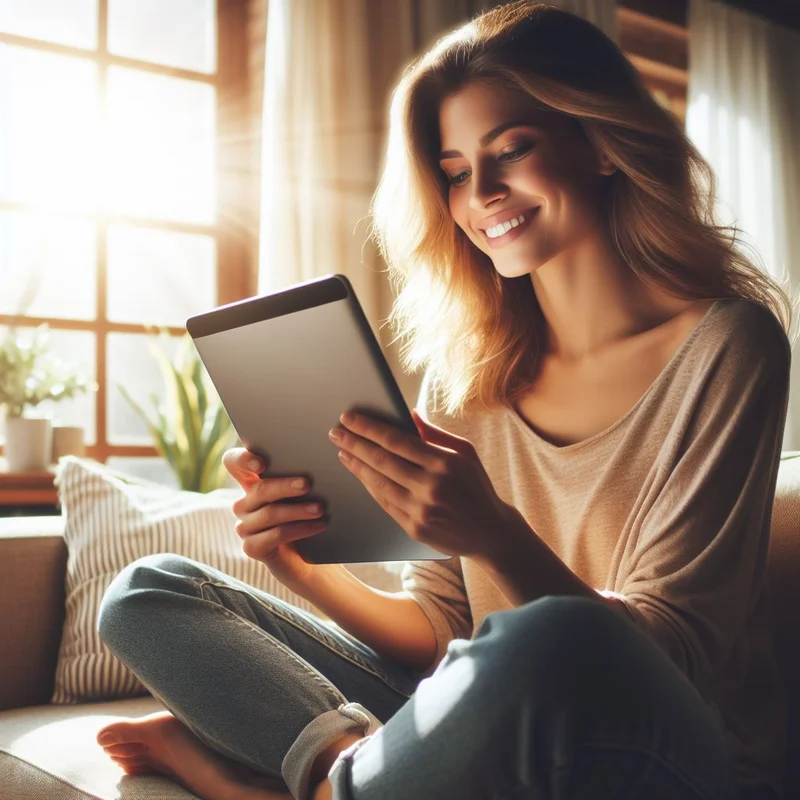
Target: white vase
[(28, 444), (68, 440)]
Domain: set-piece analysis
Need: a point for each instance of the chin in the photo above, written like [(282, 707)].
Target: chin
[(514, 269)]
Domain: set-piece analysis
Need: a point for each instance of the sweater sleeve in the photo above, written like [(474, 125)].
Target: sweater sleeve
[(699, 563), (438, 589)]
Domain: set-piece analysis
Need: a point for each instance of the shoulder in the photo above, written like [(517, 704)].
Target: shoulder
[(748, 333)]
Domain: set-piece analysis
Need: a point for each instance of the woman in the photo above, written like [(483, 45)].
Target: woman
[(605, 395)]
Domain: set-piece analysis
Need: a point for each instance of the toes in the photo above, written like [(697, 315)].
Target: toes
[(133, 766), (123, 732), (126, 749)]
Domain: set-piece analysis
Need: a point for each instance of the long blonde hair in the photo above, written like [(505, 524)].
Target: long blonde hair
[(480, 335)]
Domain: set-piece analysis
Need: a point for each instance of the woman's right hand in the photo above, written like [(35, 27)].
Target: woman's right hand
[(267, 525)]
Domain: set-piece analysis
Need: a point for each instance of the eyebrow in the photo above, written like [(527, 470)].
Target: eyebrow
[(491, 136)]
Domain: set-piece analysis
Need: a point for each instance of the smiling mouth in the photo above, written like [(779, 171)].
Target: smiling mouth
[(510, 229)]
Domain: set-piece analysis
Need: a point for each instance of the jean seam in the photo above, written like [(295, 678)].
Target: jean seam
[(315, 674), (310, 631)]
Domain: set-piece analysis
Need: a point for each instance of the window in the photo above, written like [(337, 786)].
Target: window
[(121, 178)]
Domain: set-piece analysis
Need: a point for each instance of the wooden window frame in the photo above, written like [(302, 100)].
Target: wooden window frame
[(236, 243), (659, 49)]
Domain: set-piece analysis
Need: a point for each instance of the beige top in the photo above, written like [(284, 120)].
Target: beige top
[(670, 507)]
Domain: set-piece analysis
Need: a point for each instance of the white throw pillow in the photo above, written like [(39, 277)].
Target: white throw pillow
[(111, 519)]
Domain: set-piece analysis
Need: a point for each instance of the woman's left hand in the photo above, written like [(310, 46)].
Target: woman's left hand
[(435, 487)]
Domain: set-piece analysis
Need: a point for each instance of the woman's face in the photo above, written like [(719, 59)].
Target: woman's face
[(524, 185)]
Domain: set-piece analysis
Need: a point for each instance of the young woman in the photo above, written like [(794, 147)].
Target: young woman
[(602, 415)]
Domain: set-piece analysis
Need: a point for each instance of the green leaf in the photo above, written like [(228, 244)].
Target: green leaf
[(190, 429), (198, 379), (158, 430), (176, 420)]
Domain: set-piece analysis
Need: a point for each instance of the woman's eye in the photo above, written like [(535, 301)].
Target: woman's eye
[(517, 152), (510, 155), (457, 180)]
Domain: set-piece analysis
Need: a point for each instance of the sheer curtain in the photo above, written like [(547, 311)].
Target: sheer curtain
[(743, 114), (329, 70)]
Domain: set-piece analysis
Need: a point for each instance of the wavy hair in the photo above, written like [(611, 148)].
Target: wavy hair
[(480, 335)]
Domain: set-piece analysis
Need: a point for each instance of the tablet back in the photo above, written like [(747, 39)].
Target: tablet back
[(286, 366)]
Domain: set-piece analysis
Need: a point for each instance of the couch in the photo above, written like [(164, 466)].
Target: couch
[(48, 752)]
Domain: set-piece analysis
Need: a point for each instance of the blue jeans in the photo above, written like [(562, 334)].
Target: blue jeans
[(560, 698)]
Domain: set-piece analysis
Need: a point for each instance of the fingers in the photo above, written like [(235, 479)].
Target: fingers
[(274, 515), (244, 467), (268, 490), (379, 458), (259, 545), (378, 484), (391, 438)]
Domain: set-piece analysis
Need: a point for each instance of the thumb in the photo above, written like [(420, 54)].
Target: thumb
[(433, 434)]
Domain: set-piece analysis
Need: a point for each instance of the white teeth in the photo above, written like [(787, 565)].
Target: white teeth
[(504, 227)]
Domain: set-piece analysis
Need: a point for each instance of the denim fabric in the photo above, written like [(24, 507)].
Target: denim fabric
[(560, 698), (252, 676)]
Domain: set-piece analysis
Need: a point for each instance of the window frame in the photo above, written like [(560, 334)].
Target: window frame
[(236, 185)]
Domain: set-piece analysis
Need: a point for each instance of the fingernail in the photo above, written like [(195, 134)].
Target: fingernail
[(312, 508), (299, 484), (254, 464), (335, 434), (348, 417), (106, 739)]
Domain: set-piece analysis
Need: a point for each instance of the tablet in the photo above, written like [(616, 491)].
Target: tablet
[(286, 365)]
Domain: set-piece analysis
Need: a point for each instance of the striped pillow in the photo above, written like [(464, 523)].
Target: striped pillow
[(110, 520)]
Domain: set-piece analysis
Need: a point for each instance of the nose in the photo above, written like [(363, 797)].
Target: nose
[(486, 187)]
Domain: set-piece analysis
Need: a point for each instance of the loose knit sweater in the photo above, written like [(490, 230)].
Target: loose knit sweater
[(669, 508)]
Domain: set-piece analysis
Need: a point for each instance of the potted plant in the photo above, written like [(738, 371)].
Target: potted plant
[(190, 428), (29, 375)]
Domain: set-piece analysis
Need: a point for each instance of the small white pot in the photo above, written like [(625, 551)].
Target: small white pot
[(28, 444), (68, 440)]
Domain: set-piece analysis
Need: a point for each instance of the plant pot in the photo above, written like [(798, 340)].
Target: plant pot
[(28, 444), (68, 440)]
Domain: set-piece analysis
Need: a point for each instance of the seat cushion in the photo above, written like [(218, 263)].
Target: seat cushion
[(49, 752)]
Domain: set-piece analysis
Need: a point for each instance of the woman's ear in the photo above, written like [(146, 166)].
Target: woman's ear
[(605, 165)]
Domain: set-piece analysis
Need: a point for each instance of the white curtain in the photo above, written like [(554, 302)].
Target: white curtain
[(319, 149), (743, 115)]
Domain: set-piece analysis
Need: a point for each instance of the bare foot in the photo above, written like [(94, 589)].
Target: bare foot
[(160, 743)]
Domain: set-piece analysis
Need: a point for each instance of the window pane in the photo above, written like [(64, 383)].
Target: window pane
[(147, 467), (79, 348), (72, 22), (48, 134), (131, 364), (159, 277), (180, 33), (161, 145), (47, 266)]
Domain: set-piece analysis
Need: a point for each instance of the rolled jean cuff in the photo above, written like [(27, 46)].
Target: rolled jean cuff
[(319, 734)]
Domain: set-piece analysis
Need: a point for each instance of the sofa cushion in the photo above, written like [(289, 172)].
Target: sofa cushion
[(32, 563), (112, 519), (49, 752)]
